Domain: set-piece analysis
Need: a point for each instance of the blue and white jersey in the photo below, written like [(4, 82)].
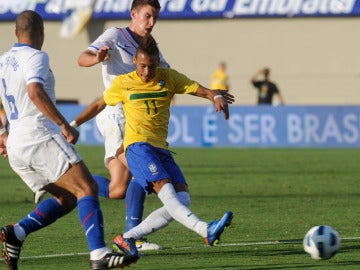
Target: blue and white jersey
[(19, 67), (123, 48)]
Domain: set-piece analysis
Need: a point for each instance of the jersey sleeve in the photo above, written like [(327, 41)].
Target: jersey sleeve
[(257, 84), (163, 62), (112, 95), (37, 68), (182, 84), (102, 40)]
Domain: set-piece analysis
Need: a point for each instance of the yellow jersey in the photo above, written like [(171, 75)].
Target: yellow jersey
[(219, 80), (147, 104)]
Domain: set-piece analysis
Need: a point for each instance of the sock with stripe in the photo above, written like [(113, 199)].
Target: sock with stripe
[(91, 219), (46, 212)]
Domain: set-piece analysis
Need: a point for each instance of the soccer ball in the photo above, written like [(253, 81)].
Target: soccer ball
[(321, 242)]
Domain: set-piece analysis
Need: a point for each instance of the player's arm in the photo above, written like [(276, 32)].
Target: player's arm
[(43, 102), (3, 139), (281, 99), (220, 98), (89, 58), (254, 78), (89, 112)]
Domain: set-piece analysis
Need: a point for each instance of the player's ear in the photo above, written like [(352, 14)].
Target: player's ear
[(133, 13), (134, 59)]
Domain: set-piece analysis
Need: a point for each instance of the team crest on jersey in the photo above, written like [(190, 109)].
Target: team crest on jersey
[(152, 167), (161, 83)]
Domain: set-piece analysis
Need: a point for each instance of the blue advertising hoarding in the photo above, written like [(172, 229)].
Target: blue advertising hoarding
[(191, 9), (251, 126)]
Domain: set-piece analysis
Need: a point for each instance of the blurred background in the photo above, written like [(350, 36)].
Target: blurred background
[(311, 48)]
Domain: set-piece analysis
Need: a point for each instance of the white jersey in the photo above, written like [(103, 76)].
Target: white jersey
[(123, 48), (111, 120), (33, 136), (19, 67)]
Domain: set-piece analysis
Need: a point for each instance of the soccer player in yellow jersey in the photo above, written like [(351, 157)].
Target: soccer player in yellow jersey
[(146, 95), (219, 78)]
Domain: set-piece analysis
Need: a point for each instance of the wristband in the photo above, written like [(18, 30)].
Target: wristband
[(2, 131), (73, 124), (217, 96)]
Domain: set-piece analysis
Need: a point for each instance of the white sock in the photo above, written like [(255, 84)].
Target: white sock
[(156, 220), (97, 254), (180, 212), (19, 232)]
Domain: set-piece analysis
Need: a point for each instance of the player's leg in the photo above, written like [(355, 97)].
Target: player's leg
[(72, 185), (79, 181), (140, 154)]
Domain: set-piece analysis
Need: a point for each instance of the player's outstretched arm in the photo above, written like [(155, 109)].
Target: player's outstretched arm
[(89, 112), (220, 98), (89, 58)]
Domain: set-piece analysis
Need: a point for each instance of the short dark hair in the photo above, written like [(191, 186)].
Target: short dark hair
[(139, 3), (30, 22), (148, 46)]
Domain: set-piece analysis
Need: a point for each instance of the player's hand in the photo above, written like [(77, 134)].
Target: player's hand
[(3, 141), (221, 103), (70, 133), (103, 54)]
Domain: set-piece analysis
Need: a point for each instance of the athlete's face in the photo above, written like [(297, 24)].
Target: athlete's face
[(146, 66), (143, 20)]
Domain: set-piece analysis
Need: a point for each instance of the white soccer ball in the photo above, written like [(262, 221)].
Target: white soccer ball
[(321, 242)]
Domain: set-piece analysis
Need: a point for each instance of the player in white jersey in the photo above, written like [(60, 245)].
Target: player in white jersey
[(39, 131), (115, 50)]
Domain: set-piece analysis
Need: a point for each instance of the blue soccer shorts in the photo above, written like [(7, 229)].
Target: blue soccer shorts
[(149, 164)]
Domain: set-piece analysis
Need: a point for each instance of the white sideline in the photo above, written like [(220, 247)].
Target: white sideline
[(279, 242)]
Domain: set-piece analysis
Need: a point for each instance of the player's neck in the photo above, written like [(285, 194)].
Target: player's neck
[(134, 35)]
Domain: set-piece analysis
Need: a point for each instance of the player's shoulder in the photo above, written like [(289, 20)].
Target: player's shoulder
[(111, 33), (28, 53)]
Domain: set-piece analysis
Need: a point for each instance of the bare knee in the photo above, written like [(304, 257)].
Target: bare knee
[(117, 193), (120, 179)]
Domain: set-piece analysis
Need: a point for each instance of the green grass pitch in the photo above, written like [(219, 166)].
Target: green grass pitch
[(276, 196)]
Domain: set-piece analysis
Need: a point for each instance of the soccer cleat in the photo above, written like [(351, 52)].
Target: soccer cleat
[(216, 227), (11, 247), (143, 244), (39, 195), (125, 245), (113, 260)]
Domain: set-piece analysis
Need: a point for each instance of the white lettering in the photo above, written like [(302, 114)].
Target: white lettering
[(252, 126), (311, 122), (331, 130), (294, 130), (181, 130), (54, 6), (293, 7), (252, 129), (350, 124), (310, 128), (112, 5), (245, 7), (209, 127), (237, 136), (268, 124), (173, 5), (17, 6), (199, 6), (186, 138), (172, 138)]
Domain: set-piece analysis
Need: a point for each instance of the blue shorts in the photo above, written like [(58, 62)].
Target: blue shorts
[(149, 164)]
